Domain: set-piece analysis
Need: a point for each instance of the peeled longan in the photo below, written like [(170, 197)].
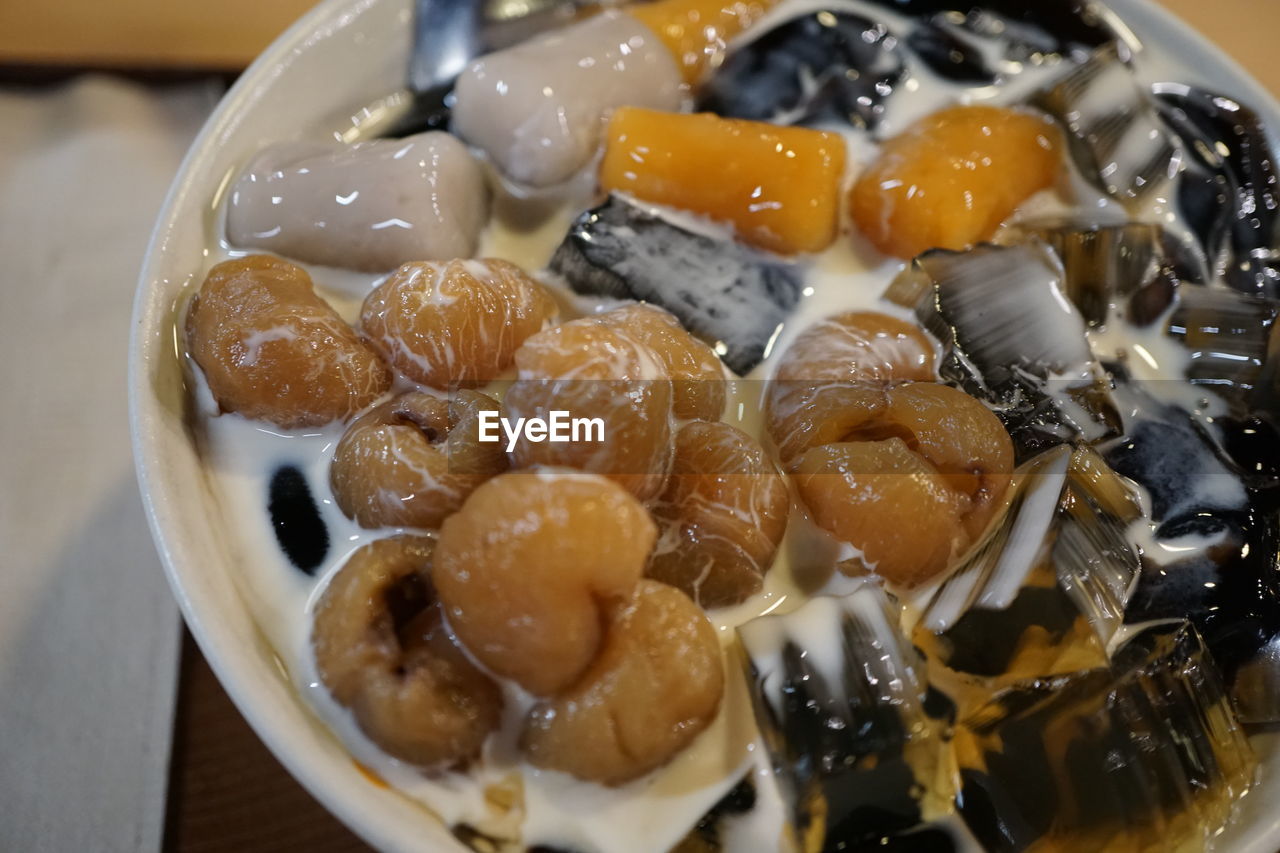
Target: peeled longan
[(961, 438), (858, 346), (931, 451), (721, 518), (412, 461), (382, 650), (451, 324), (591, 368), (949, 180), (272, 350), (808, 415), (530, 567), (831, 381), (886, 501), (655, 685), (697, 375)]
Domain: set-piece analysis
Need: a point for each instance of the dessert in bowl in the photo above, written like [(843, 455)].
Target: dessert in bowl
[(915, 370)]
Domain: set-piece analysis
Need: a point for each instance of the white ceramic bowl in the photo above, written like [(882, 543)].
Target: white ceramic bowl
[(342, 54)]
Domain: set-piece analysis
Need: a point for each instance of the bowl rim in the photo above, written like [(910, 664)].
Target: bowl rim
[(236, 668)]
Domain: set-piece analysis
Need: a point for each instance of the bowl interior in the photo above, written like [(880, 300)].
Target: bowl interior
[(342, 55)]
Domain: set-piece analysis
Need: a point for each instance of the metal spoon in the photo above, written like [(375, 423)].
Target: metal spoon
[(448, 34)]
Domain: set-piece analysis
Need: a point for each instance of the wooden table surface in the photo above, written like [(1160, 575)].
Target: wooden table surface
[(155, 34), (226, 790), (226, 35)]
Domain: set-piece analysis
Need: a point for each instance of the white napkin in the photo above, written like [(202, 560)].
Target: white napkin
[(89, 632)]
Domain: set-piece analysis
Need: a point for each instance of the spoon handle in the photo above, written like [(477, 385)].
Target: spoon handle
[(446, 36)]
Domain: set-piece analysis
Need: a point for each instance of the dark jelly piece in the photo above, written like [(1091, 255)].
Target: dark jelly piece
[(1137, 266), (706, 836), (1253, 444), (299, 529), (931, 839), (1230, 336), (1256, 691), (1227, 586), (839, 696), (1029, 29), (1166, 453), (1202, 201), (732, 296), (1011, 338), (950, 52), (1229, 192), (1116, 138), (821, 65), (1126, 756), (1045, 594), (1212, 556)]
